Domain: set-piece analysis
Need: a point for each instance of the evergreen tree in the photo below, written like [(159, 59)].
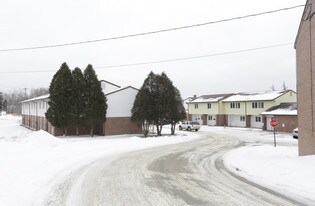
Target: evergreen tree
[(1, 100), (60, 92), (94, 99), (77, 101), (161, 93), (142, 110), (158, 102), (4, 105), (177, 109)]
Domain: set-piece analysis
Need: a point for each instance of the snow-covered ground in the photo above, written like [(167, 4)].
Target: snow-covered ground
[(32, 160), (278, 168)]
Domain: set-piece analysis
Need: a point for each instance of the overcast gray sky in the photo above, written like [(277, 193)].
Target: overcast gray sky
[(37, 23)]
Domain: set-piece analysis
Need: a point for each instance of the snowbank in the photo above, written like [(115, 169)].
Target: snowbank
[(275, 167), (32, 161)]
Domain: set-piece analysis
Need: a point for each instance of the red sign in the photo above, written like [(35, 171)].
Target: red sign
[(274, 123)]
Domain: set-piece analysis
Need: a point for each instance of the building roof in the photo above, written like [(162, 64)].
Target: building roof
[(209, 98), (307, 6), (120, 89), (282, 109), (256, 96), (46, 96), (110, 83)]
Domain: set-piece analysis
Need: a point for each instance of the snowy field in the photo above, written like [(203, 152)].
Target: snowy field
[(32, 161)]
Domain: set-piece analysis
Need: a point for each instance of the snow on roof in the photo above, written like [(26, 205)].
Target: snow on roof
[(210, 98), (36, 98), (282, 109), (280, 112), (255, 96)]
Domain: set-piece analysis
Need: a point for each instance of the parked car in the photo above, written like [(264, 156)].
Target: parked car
[(295, 133), (189, 125)]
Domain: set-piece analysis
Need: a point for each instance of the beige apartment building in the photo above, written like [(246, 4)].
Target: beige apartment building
[(237, 110), (305, 67)]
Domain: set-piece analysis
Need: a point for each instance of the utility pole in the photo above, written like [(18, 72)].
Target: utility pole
[(25, 93)]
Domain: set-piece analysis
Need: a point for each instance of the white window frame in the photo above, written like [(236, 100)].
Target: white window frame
[(235, 105), (196, 106), (256, 105)]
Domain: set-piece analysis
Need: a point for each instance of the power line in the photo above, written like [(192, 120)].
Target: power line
[(195, 57), (150, 32), (165, 60)]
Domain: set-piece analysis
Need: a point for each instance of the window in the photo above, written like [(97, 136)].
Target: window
[(209, 117), (257, 119), (242, 118), (235, 105), (209, 105), (196, 106), (257, 105)]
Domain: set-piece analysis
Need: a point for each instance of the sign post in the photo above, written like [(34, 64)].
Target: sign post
[(274, 123)]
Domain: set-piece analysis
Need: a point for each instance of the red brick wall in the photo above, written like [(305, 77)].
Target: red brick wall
[(286, 123), (121, 125), (41, 123), (204, 119), (247, 119), (189, 117), (305, 56), (221, 120)]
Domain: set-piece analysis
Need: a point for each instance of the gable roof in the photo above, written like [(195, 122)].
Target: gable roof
[(120, 89), (46, 96), (110, 83), (210, 98), (282, 109), (256, 96)]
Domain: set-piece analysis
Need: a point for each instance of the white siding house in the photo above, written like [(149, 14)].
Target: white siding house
[(119, 101)]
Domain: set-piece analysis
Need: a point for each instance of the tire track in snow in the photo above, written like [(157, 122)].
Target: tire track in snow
[(190, 173)]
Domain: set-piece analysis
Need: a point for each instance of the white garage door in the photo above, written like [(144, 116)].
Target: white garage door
[(236, 121)]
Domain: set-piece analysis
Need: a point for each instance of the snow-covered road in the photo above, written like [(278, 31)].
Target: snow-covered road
[(39, 169), (189, 173)]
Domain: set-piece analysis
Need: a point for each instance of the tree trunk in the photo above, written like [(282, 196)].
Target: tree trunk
[(91, 131), (77, 131), (159, 129), (65, 131), (173, 128), (145, 128)]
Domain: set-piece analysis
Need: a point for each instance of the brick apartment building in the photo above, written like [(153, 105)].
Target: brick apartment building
[(305, 64)]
